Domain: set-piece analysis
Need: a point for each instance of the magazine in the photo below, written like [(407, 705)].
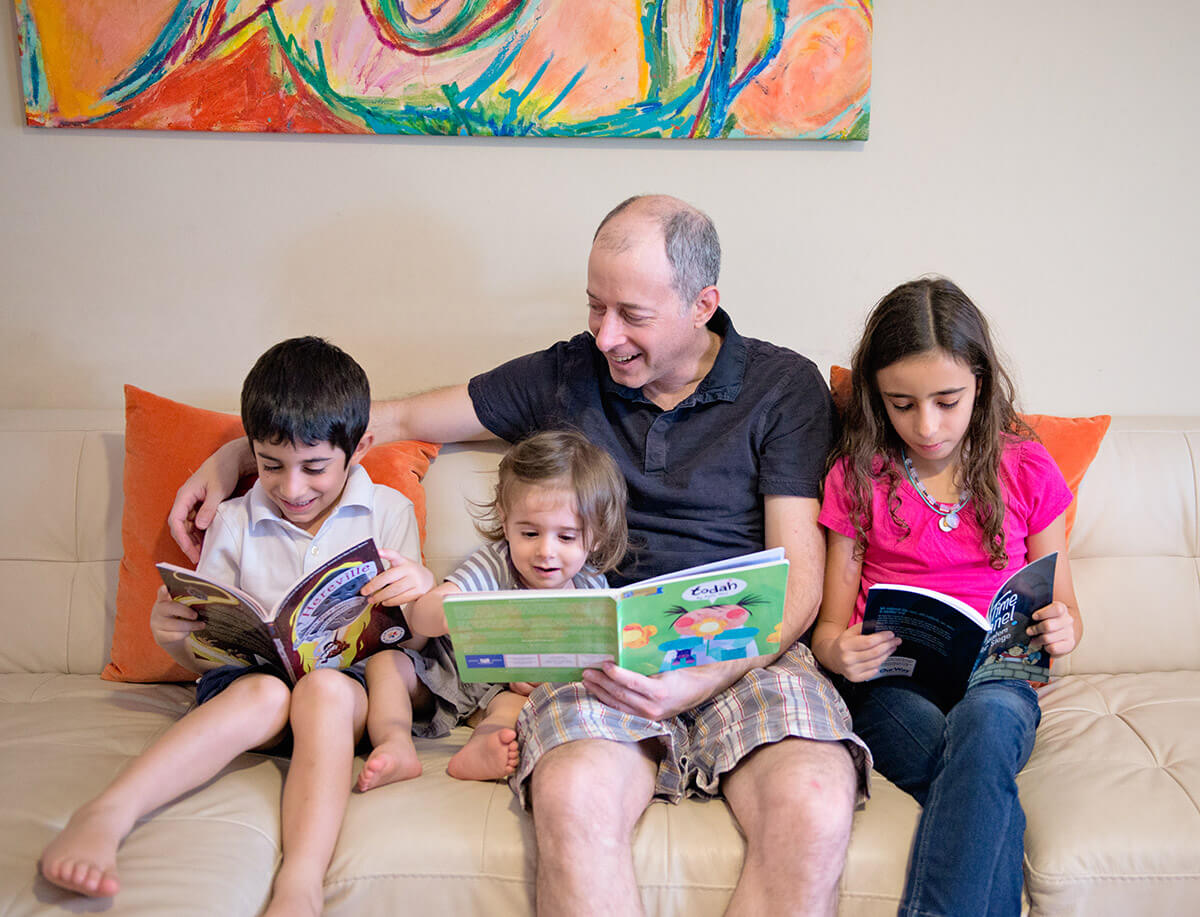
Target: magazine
[(948, 646), (730, 609), (321, 622)]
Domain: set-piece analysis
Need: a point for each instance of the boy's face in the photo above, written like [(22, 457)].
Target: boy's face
[(304, 482)]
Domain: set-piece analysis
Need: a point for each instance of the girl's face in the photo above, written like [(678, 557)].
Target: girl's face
[(929, 398), (545, 536)]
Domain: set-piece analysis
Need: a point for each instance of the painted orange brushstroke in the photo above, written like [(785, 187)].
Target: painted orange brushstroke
[(252, 89), (88, 44)]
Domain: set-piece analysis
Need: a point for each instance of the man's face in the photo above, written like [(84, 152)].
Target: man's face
[(647, 336)]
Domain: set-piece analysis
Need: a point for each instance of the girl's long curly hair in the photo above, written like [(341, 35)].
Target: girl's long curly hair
[(930, 313)]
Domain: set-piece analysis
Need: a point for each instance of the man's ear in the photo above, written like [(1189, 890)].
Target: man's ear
[(367, 441), (706, 305)]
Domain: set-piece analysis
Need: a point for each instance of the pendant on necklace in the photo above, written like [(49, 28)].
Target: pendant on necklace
[(948, 522)]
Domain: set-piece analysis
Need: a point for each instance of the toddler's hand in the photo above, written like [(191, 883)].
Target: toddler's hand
[(172, 622), (400, 583), (524, 688), (1054, 629), (859, 657)]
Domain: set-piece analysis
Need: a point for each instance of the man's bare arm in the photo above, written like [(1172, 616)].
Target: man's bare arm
[(444, 415)]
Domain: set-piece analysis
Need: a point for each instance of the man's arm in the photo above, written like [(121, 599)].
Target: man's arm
[(790, 523), (444, 415)]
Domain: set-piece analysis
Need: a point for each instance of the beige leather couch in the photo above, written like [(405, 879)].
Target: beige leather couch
[(1111, 791)]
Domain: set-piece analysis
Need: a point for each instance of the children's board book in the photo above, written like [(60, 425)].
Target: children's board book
[(948, 646), (322, 621), (730, 609)]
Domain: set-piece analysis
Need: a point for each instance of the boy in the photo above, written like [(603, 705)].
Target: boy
[(305, 406)]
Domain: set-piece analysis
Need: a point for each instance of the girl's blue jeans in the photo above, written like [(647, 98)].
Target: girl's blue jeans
[(961, 766)]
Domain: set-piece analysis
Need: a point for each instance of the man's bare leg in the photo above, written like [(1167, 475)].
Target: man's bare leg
[(794, 801), (329, 712), (251, 712), (586, 798)]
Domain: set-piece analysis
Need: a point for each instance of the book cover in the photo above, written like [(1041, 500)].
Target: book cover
[(321, 621), (947, 645)]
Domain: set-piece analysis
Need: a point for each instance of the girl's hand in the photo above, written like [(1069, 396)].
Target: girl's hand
[(1053, 630), (857, 656), (171, 622), (524, 688), (401, 583)]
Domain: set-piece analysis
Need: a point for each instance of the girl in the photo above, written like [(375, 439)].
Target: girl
[(936, 482), (556, 521)]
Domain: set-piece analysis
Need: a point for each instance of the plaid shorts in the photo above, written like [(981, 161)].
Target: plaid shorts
[(787, 698)]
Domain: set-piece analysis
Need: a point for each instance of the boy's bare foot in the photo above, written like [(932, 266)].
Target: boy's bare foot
[(490, 754), (390, 762), (83, 858), (295, 901)]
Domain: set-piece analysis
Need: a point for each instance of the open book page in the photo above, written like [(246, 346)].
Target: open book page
[(323, 622), (720, 612), (235, 632), (531, 635)]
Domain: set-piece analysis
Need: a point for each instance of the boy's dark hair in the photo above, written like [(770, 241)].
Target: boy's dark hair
[(306, 390)]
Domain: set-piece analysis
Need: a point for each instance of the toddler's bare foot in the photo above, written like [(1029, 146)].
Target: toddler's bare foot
[(389, 763), (83, 858), (490, 754)]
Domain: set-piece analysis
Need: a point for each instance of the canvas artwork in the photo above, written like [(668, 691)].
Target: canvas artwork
[(795, 69)]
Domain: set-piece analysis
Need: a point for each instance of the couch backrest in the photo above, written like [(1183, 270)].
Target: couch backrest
[(1134, 550)]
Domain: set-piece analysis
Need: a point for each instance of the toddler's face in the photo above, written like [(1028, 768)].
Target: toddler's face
[(545, 536), (304, 482)]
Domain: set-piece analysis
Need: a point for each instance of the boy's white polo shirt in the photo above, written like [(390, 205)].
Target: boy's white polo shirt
[(250, 546)]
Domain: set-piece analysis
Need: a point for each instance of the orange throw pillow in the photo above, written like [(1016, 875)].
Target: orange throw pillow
[(1071, 441), (165, 441)]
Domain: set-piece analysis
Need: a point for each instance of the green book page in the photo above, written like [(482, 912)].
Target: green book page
[(695, 620), (531, 636)]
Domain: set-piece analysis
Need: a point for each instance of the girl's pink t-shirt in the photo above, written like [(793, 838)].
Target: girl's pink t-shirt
[(955, 563)]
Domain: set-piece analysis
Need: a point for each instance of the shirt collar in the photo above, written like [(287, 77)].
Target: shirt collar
[(358, 492), (724, 379)]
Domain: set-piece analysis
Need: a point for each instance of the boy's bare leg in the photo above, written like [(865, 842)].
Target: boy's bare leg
[(250, 713), (491, 752), (391, 683), (329, 711)]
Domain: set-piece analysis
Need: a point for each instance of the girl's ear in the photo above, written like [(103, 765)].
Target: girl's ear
[(978, 387)]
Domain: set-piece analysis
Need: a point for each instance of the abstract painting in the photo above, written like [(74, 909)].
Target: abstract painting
[(794, 69)]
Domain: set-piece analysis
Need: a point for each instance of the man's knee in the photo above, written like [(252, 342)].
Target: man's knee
[(593, 786)]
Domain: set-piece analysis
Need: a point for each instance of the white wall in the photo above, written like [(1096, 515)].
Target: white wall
[(1039, 153)]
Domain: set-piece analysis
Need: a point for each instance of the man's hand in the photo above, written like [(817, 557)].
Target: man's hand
[(656, 697), (197, 500), (171, 622), (401, 583), (1054, 629)]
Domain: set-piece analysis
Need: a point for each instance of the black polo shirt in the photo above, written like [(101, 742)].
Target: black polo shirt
[(759, 423)]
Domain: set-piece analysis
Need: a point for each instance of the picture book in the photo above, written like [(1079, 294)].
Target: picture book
[(322, 621), (730, 609), (949, 646)]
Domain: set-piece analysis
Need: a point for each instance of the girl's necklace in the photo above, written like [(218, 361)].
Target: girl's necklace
[(947, 513)]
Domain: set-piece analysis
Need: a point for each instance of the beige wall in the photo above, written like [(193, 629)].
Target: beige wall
[(1042, 154)]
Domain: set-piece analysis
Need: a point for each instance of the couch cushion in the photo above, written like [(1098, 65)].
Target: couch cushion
[(1112, 796)]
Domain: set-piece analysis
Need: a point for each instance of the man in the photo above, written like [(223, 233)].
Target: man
[(722, 440)]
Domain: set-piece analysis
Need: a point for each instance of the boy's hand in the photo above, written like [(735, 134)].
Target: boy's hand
[(1053, 630), (171, 622), (401, 583), (857, 656)]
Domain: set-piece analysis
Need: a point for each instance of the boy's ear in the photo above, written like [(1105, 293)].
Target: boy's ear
[(367, 441)]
